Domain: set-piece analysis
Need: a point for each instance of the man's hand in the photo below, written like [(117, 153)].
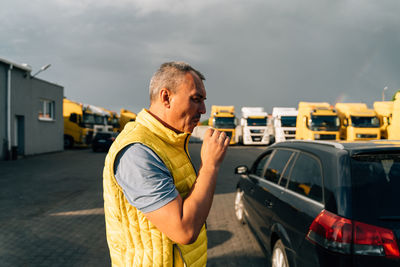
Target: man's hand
[(214, 147)]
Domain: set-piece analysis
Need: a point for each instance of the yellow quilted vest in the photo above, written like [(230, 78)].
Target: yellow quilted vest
[(132, 239)]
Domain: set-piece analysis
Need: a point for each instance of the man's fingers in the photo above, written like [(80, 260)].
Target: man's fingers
[(217, 136), (227, 140), (209, 133), (222, 135)]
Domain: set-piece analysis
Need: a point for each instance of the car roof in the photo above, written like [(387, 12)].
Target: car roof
[(371, 146), (337, 146)]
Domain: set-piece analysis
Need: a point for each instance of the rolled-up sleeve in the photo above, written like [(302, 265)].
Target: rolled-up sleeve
[(145, 180)]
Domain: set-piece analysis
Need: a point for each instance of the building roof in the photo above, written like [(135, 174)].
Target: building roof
[(25, 67)]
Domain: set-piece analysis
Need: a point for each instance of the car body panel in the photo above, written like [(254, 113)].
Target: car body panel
[(275, 211)]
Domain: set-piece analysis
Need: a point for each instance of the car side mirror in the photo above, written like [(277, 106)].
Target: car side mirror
[(242, 169)]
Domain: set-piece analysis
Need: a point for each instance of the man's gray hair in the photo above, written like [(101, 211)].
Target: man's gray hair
[(170, 75)]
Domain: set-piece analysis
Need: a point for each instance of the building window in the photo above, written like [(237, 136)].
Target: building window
[(46, 110)]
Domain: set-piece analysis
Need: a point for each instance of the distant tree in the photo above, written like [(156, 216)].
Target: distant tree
[(205, 122), (394, 96)]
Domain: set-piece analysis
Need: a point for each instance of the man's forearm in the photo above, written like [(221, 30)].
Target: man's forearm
[(197, 205)]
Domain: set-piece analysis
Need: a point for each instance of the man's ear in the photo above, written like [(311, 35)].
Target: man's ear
[(165, 97)]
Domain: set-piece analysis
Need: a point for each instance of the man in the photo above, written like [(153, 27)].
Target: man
[(155, 205)]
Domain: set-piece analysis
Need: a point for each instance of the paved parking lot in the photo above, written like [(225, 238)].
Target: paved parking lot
[(51, 212)]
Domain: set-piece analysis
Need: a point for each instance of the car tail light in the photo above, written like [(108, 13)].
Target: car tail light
[(374, 240), (331, 232), (347, 236)]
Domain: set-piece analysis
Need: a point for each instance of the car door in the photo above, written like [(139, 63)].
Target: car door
[(249, 185), (300, 205), (268, 191)]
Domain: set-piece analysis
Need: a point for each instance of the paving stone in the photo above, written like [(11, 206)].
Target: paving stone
[(51, 213)]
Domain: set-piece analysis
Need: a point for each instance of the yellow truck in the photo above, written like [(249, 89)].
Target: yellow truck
[(100, 118), (125, 116), (223, 118), (394, 127), (384, 110), (389, 113), (112, 119), (317, 121), (358, 122), (78, 124)]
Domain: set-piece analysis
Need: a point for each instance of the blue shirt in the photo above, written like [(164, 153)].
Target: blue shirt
[(145, 180)]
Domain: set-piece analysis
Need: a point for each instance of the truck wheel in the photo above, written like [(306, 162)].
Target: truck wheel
[(279, 258), (68, 142)]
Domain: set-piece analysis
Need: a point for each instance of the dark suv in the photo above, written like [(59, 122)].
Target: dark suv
[(320, 203)]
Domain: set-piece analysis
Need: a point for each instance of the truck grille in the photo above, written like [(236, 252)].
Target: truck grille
[(257, 131), (327, 137), (367, 136), (89, 138), (289, 132), (256, 138), (229, 134)]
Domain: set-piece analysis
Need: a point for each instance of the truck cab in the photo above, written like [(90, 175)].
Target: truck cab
[(358, 122), (223, 119), (78, 124), (384, 110), (112, 119), (317, 121), (394, 122), (100, 118), (284, 121), (125, 116), (254, 124)]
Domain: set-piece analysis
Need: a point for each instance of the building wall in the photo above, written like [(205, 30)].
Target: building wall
[(3, 109), (38, 136), (47, 135)]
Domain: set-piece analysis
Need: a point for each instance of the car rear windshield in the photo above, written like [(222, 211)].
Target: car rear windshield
[(376, 186)]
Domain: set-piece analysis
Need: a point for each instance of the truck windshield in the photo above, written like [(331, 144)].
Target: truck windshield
[(257, 122), (114, 122), (288, 121), (88, 118), (376, 186), (324, 123), (365, 122), (224, 122), (99, 120)]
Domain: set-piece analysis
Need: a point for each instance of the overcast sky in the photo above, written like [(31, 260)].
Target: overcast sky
[(253, 53)]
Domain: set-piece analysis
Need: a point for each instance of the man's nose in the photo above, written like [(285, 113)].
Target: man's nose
[(202, 108)]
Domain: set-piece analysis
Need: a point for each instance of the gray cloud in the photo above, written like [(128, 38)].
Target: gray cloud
[(253, 53)]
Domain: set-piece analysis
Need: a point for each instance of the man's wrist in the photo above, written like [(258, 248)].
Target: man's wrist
[(209, 169)]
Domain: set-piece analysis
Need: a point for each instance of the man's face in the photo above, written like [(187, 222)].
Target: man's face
[(187, 103)]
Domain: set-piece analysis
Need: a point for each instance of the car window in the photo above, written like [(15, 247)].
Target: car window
[(306, 177), (260, 164), (277, 164), (376, 185), (286, 172)]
